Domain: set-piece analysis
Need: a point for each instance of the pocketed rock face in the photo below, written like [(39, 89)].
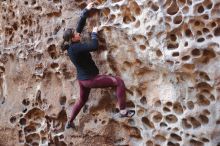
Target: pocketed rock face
[(167, 52)]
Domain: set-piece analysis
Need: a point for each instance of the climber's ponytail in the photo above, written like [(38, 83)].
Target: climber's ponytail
[(67, 35), (64, 45)]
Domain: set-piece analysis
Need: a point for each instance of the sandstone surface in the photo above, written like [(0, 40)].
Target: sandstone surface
[(166, 51)]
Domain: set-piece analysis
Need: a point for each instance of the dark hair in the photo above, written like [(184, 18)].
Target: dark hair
[(64, 46), (67, 35)]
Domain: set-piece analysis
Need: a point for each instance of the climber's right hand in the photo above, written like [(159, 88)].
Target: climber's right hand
[(95, 29), (90, 5)]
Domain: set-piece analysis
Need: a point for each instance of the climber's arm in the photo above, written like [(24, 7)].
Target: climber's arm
[(83, 17)]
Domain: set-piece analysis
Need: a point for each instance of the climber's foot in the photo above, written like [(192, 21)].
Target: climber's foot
[(128, 114), (70, 125)]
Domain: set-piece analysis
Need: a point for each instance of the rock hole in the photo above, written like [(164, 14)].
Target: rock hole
[(171, 144), (25, 110), (30, 129), (15, 26), (149, 143), (197, 23), (134, 6), (205, 139), (205, 16), (62, 100), (160, 138), (189, 67), (13, 119), (56, 29), (44, 140), (200, 9), (147, 122), (52, 51), (103, 122), (157, 103), (177, 107), (128, 19), (195, 52), (205, 30), (140, 112), (168, 103), (203, 75), (173, 9), (170, 62), (177, 20), (213, 24), (130, 104), (217, 31), (25, 31), (196, 143), (33, 2), (186, 124), (207, 55), (188, 33), (38, 8), (190, 105), (54, 65), (142, 47), (195, 123), (176, 137), (182, 2), (199, 33), (35, 144), (32, 138), (143, 100), (20, 135), (212, 97), (202, 100), (185, 9), (56, 1), (206, 112), (173, 37), (218, 122), (200, 40), (172, 46), (166, 109), (25, 102), (203, 85), (209, 36), (163, 124), (131, 122), (185, 58), (35, 113), (23, 121), (154, 7), (157, 117), (209, 6), (204, 119), (171, 118), (159, 53), (137, 24), (175, 54)]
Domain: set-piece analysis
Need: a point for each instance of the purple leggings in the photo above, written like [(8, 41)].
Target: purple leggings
[(99, 81)]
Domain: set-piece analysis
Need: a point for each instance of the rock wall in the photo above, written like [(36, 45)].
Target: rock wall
[(167, 52)]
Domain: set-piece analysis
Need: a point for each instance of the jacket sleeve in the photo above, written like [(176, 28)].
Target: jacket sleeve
[(87, 47), (82, 21)]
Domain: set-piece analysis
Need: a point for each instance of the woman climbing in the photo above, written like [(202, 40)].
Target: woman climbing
[(87, 71)]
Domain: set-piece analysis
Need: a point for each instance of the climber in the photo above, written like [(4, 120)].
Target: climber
[(87, 71)]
